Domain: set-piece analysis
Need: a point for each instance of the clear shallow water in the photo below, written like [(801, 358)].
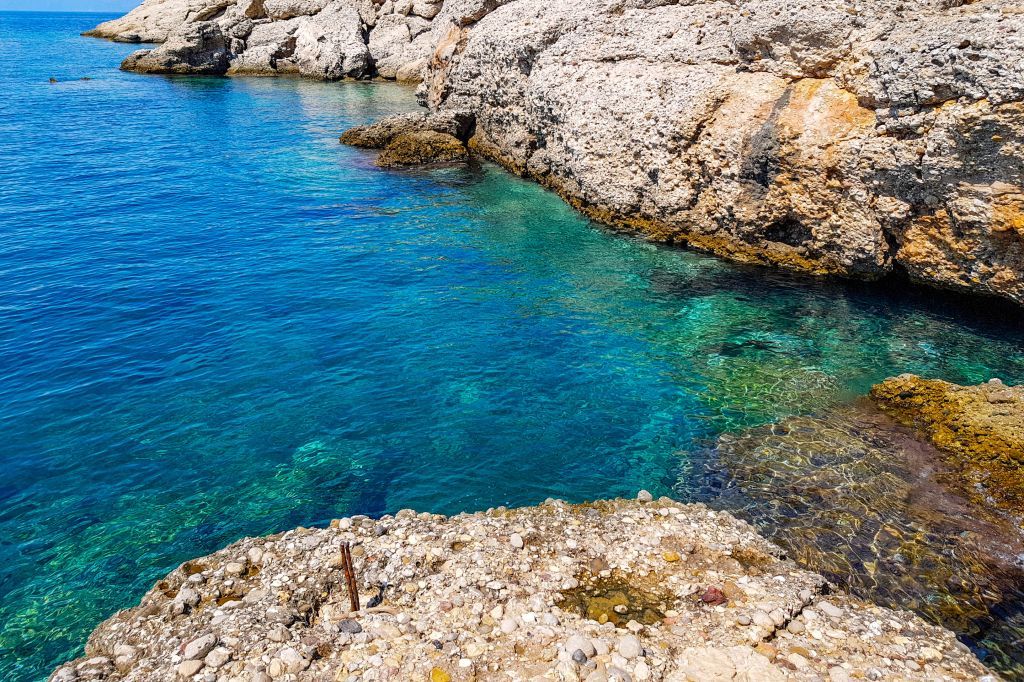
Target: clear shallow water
[(215, 321)]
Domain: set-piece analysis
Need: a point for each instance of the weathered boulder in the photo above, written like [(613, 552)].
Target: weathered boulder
[(427, 146), (330, 45), (398, 41), (856, 139), (378, 135)]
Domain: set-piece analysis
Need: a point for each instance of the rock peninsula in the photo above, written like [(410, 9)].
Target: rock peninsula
[(857, 139), (615, 590)]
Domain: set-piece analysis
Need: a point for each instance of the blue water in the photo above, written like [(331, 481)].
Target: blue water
[(216, 321)]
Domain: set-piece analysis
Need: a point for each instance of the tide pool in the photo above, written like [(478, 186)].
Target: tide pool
[(216, 321)]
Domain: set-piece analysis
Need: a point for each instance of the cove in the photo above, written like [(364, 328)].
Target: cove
[(218, 322)]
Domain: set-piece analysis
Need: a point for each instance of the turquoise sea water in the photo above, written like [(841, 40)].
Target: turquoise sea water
[(216, 321)]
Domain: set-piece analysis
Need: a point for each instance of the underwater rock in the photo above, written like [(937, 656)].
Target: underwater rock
[(979, 429), (479, 607), (860, 499), (428, 146)]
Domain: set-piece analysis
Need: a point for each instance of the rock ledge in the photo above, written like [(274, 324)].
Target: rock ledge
[(614, 590)]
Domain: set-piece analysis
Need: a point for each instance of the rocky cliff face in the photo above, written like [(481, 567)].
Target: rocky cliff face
[(842, 138)]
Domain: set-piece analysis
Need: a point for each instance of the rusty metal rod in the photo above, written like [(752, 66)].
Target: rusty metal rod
[(350, 576)]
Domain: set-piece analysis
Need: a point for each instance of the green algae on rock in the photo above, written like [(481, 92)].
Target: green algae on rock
[(979, 429)]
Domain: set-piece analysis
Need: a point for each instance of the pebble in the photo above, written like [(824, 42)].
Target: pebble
[(350, 626), (829, 609), (516, 541), (582, 643), (189, 668), (199, 647), (629, 647), (644, 496)]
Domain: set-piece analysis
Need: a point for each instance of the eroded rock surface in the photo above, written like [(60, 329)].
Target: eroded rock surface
[(611, 591), (411, 149), (324, 39)]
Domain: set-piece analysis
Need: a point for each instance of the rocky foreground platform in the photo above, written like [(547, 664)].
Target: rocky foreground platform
[(616, 590)]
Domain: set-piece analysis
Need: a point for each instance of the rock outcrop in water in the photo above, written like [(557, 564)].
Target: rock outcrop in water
[(846, 138), (646, 590)]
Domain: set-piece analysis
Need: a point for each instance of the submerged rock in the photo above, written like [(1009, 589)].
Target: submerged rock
[(980, 430), (857, 497), (464, 604)]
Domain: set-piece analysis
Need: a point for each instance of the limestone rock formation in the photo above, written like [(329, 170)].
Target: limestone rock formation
[(616, 590), (980, 429), (847, 138), (850, 138), (323, 39)]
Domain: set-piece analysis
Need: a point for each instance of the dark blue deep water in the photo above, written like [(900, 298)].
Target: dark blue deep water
[(216, 321)]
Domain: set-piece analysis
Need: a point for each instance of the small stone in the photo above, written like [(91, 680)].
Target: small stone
[(516, 541), (218, 657), (350, 626), (279, 634), (508, 626), (829, 609), (234, 568), (199, 647), (579, 657), (294, 661), (642, 672), (644, 496), (837, 674), (743, 619), (713, 596), (582, 643), (797, 660), (439, 675), (930, 654), (189, 668), (629, 647), (670, 556), (796, 627)]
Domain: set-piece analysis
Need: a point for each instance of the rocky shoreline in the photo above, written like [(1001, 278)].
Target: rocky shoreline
[(613, 590), (851, 139)]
